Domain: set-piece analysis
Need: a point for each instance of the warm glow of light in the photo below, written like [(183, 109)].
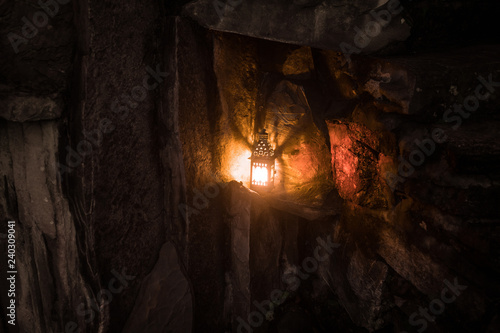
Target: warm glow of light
[(259, 174), (239, 166)]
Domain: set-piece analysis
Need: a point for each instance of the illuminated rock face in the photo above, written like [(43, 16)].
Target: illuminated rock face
[(218, 138), (303, 171), (355, 164), (345, 163), (371, 114)]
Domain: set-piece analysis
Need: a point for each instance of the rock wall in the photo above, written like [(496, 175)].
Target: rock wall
[(130, 185), (49, 276), (321, 24), (122, 128), (409, 144), (88, 156), (36, 69), (404, 237)]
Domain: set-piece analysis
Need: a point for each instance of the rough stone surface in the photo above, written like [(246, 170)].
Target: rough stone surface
[(36, 64), (49, 278), (35, 71), (355, 154), (399, 243), (419, 230), (366, 278), (197, 107), (321, 24), (123, 191), (266, 243), (238, 293), (166, 281), (301, 150), (153, 199), (30, 108)]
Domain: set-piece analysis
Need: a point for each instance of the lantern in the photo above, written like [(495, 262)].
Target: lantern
[(262, 164)]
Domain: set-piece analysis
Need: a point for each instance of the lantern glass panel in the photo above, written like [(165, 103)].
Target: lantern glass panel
[(260, 174)]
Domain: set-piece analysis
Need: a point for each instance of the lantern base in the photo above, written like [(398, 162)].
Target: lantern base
[(263, 189)]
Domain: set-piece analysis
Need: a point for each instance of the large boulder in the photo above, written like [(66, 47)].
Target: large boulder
[(350, 26)]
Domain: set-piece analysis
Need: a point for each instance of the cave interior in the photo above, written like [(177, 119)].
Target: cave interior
[(128, 131)]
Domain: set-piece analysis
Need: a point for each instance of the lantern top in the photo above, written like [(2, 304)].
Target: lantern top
[(262, 148), (263, 134)]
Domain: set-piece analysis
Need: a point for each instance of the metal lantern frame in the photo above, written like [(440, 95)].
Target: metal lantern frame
[(262, 157)]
